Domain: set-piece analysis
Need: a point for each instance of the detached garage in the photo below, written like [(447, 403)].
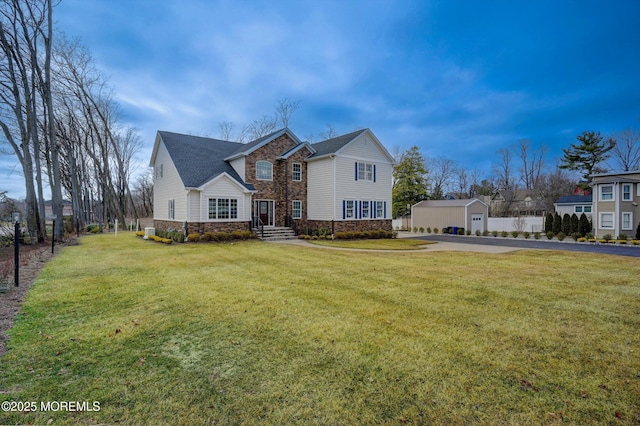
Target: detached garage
[(469, 214)]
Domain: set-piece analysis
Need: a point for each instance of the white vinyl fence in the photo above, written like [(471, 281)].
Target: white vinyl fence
[(522, 224)]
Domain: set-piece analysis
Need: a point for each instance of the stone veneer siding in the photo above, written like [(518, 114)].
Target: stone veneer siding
[(350, 225), (202, 227), (282, 189)]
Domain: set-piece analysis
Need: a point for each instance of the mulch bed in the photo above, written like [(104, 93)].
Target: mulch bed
[(32, 259)]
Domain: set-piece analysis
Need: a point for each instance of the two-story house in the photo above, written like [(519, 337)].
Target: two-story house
[(615, 203), (204, 184)]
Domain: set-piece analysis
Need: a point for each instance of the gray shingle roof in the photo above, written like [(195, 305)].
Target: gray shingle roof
[(333, 145), (200, 159)]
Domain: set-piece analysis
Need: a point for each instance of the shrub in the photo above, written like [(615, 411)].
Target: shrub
[(536, 235), (504, 234), (435, 230), (561, 236), (429, 230), (526, 235), (494, 233), (622, 241), (549, 235), (515, 234), (421, 230), (557, 223), (575, 236), (548, 222), (581, 240), (589, 236), (485, 232), (415, 229), (607, 237), (469, 231), (460, 231), (638, 232), (635, 242), (194, 238), (95, 229), (478, 233), (584, 225), (140, 234), (623, 237), (566, 224)]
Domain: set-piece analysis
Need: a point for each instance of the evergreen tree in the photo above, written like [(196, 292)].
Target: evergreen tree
[(566, 224), (575, 224), (584, 226), (548, 223), (410, 184), (638, 232), (586, 156), (557, 224)]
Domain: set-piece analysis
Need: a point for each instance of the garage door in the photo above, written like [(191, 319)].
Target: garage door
[(477, 222)]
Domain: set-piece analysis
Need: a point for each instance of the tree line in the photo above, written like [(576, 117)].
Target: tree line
[(515, 168), (59, 118)]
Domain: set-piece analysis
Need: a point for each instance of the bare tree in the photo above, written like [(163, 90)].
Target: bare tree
[(329, 133), (285, 109), (441, 175), (626, 152), (226, 130), (258, 128), (532, 164)]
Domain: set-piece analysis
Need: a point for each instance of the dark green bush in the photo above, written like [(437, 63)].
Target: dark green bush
[(561, 236)]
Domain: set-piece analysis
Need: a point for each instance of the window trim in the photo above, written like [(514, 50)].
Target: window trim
[(600, 221), (602, 193), (379, 209), (293, 172), (578, 209), (293, 209), (231, 209), (630, 197), (366, 209), (365, 171), (258, 169), (352, 208), (630, 226), (172, 209)]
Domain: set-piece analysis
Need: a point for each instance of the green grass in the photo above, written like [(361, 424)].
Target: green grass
[(381, 244), (253, 332)]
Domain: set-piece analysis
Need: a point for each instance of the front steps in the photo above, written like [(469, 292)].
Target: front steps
[(276, 234)]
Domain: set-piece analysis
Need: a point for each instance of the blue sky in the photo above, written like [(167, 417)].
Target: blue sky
[(460, 79)]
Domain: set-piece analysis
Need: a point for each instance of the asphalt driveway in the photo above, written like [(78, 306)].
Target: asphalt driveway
[(521, 243)]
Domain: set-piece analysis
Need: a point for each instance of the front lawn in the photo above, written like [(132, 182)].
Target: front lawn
[(264, 333), (380, 244)]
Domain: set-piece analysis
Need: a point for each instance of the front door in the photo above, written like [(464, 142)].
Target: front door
[(265, 211)]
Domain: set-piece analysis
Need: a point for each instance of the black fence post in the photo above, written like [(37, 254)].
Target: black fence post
[(16, 243)]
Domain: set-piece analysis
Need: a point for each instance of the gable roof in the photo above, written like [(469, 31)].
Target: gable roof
[(333, 145), (248, 148), (575, 199), (199, 159), (448, 203)]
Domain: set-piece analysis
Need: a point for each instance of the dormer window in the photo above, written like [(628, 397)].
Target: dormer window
[(264, 170)]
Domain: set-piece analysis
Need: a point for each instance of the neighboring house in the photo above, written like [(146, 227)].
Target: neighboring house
[(203, 184), (469, 214), (519, 202), (578, 204), (615, 203)]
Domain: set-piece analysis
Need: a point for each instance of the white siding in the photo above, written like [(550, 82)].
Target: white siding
[(364, 148), (350, 189), (194, 206), (239, 166), (320, 188), (168, 187), (224, 187)]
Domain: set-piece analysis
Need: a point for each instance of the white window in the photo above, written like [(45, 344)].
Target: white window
[(223, 208), (627, 221), (296, 172), (606, 193), (379, 209), (365, 171), (172, 209), (626, 192), (365, 210), (349, 210), (606, 220), (264, 170), (296, 209)]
